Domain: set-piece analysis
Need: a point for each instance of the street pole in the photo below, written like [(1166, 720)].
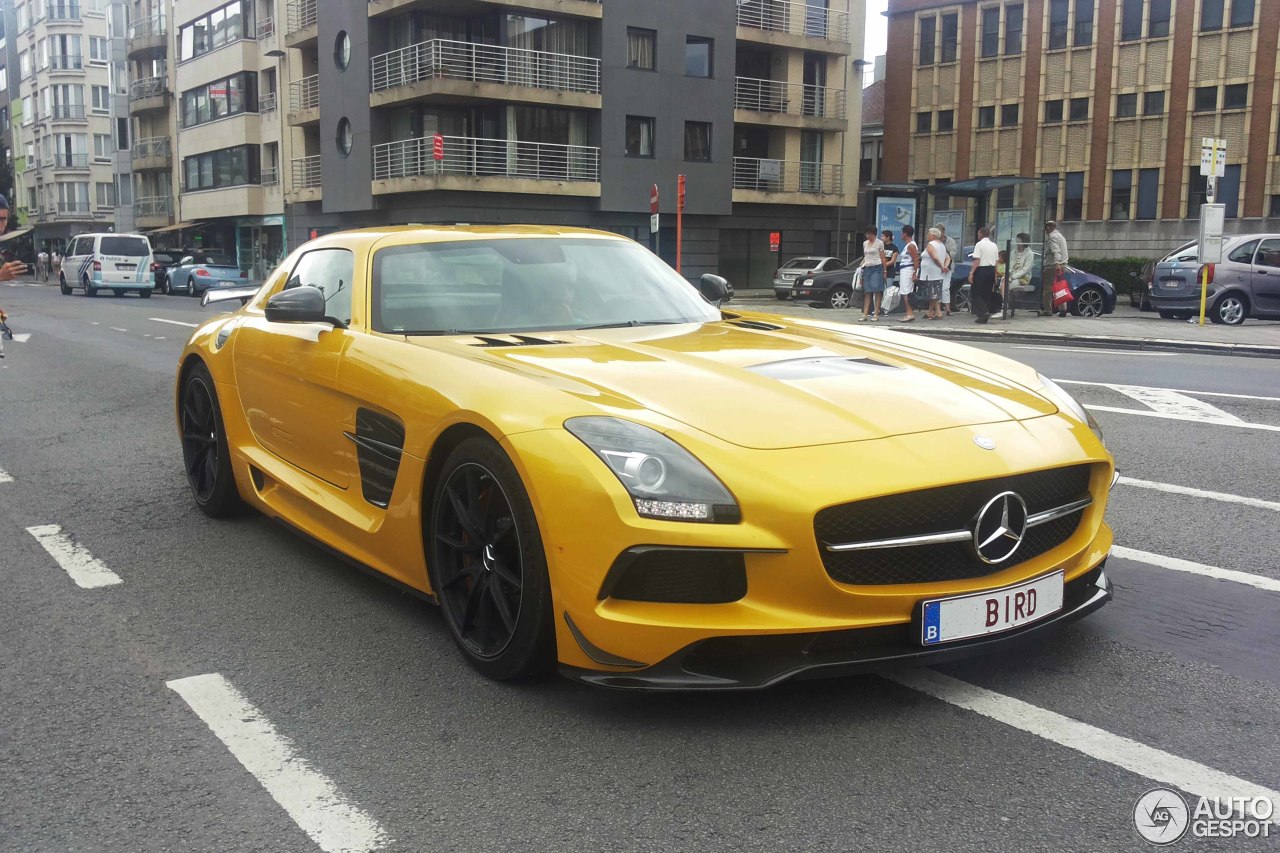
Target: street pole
[(680, 184)]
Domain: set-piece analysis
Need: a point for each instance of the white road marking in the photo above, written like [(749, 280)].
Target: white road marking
[(173, 322), (1200, 493), (1146, 414), (94, 323), (118, 329), (1178, 564), (1172, 403), (1177, 390), (160, 337), (86, 570), (1093, 350), (309, 797), (5, 477), (22, 338), (1123, 752)]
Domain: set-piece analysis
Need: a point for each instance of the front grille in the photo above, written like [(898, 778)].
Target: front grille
[(679, 575), (937, 511)]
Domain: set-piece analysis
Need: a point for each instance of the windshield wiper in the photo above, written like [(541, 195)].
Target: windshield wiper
[(629, 323)]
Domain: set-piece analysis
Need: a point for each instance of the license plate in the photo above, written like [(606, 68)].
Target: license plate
[(1171, 282), (126, 266), (946, 620)]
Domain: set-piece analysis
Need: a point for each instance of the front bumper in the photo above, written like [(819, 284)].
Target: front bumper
[(755, 662)]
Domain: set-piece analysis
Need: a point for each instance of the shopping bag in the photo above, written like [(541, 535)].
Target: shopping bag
[(892, 296), (1061, 294)]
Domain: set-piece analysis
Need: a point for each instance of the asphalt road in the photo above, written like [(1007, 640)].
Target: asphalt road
[(97, 753)]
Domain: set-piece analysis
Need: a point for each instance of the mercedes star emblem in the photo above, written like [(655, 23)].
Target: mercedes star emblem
[(984, 442), (1000, 527)]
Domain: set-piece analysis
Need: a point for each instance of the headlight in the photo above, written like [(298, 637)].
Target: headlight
[(1068, 403), (663, 479), (808, 282)]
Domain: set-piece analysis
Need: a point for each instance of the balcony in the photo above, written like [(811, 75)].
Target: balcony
[(796, 24), (304, 101), (67, 112), (589, 9), (266, 28), (306, 179), (466, 69), (778, 103), (71, 210), (267, 102), (69, 12), (153, 211), (300, 23), (269, 176), (786, 181), (147, 94), (152, 153), (63, 161), (66, 62), (147, 38), (493, 165)]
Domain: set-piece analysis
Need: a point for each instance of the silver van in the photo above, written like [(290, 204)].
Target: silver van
[(117, 262), (1245, 284)]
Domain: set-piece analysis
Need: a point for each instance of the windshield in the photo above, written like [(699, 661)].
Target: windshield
[(526, 285), (215, 260), (1189, 252), (129, 247), (801, 263)]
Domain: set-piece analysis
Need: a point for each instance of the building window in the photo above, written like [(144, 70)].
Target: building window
[(950, 37), (1051, 196), (102, 147), (640, 136), (991, 31), (1131, 20), (946, 121), (1206, 100), (1073, 205), (1242, 13), (986, 116), (1121, 193), (928, 35), (1084, 23), (697, 141), (1013, 29), (1158, 22), (641, 48), (1235, 96), (924, 122), (1053, 111), (1058, 16), (122, 134), (1009, 115), (1079, 109), (1211, 15), (98, 49), (697, 56), (1275, 206), (1153, 103), (1126, 105), (1196, 192), (106, 194), (1229, 191), (229, 96), (101, 99), (227, 167), (222, 26), (1148, 192)]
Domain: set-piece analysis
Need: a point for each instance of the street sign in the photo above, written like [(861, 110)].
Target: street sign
[(1213, 218), (1213, 157), (653, 201), (775, 241), (437, 147), (653, 223)]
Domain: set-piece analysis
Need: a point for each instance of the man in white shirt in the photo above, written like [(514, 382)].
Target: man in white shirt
[(983, 276), (1055, 264)]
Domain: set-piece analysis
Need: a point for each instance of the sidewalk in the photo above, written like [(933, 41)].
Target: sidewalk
[(1127, 328)]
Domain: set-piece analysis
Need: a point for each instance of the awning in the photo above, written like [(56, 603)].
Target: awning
[(177, 226), (16, 233)]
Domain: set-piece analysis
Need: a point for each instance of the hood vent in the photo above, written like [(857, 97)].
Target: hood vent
[(514, 341), (757, 325)]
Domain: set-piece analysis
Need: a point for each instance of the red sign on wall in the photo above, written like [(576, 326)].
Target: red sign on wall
[(775, 241), (437, 147)]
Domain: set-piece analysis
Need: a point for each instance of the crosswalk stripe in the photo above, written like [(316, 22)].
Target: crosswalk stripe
[(86, 570), (1170, 417), (1172, 403), (1199, 493)]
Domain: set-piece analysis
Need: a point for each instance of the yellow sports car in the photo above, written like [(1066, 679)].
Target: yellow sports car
[(586, 461)]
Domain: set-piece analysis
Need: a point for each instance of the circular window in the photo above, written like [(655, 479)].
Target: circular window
[(344, 137), (342, 50)]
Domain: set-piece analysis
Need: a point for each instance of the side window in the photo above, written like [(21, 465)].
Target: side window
[(78, 247), (187, 261), (1243, 254), (330, 271), (1268, 254)]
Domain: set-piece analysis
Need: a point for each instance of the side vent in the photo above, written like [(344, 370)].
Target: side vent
[(379, 441), (757, 325), (514, 341)]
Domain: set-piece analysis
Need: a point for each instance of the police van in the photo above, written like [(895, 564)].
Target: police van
[(117, 262)]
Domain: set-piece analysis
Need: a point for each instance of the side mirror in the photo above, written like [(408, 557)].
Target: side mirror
[(713, 288), (297, 305)]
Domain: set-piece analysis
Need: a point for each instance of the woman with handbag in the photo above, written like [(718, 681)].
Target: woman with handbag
[(934, 261), (908, 267), (872, 276)]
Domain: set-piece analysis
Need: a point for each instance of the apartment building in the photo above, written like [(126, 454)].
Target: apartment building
[(69, 75), (568, 112), (8, 94), (1108, 100)]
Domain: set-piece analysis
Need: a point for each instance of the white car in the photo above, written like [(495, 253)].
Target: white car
[(785, 276), (117, 262)]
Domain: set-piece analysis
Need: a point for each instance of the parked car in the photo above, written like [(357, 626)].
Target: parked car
[(1246, 283), (196, 273), (785, 276), (160, 264), (1094, 295), (832, 289), (120, 263)]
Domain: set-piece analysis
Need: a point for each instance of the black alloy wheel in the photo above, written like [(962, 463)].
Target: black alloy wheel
[(489, 571), (204, 446)]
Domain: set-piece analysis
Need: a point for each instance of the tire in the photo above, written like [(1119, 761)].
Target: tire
[(781, 297), (1229, 309), (89, 289), (1146, 305), (191, 287), (839, 297), (205, 455), (1089, 302), (499, 615), (163, 286), (168, 285), (1175, 315), (145, 294), (117, 293), (62, 285)]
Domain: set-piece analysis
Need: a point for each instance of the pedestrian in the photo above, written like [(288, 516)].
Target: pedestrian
[(1019, 276), (4, 330), (10, 269), (872, 276), (890, 271), (1055, 267), (952, 252), (1002, 281), (933, 264), (982, 277), (42, 264), (908, 267)]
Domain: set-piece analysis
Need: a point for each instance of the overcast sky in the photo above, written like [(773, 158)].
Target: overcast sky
[(877, 33)]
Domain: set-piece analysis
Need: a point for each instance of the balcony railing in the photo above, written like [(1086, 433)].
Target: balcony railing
[(505, 158), (267, 102), (299, 14), (774, 96), (270, 176), (306, 172), (147, 87), (304, 94), (485, 63), (266, 28), (787, 176), (152, 206), (63, 160), (66, 62), (147, 27), (63, 11), (69, 207), (795, 18), (67, 112), (152, 146)]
